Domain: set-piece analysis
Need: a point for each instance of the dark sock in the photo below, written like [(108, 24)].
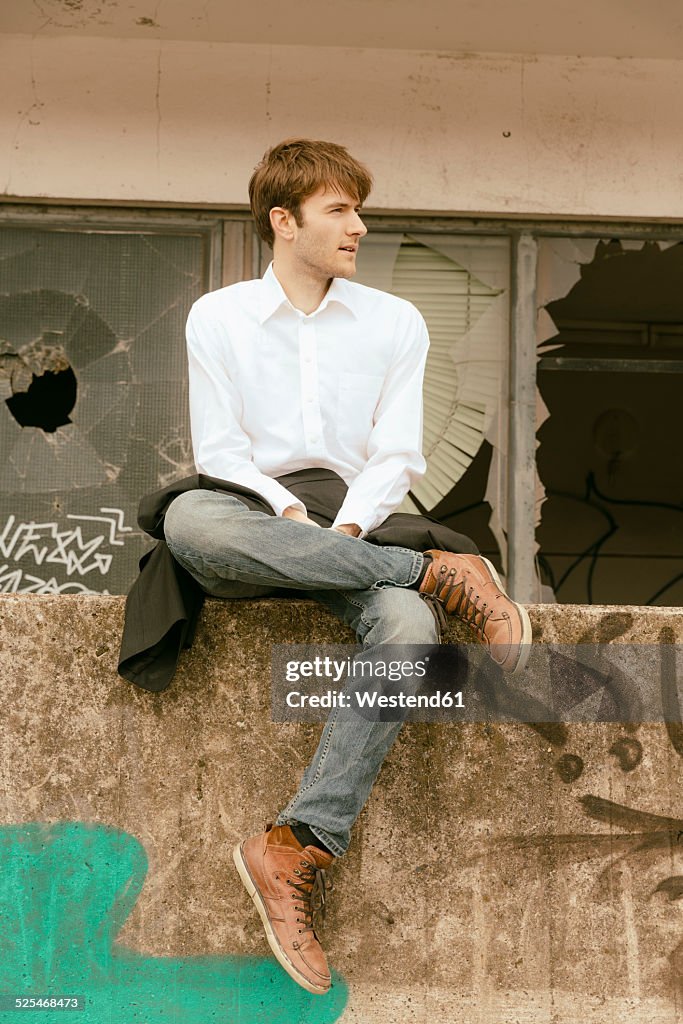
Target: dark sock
[(423, 572), (308, 838)]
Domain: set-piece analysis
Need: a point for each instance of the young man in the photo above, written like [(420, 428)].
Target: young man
[(305, 370)]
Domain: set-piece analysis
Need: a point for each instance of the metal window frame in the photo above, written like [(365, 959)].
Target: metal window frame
[(105, 220), (521, 480), (524, 235), (234, 252)]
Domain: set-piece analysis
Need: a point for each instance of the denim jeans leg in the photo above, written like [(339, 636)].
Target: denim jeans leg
[(352, 748), (220, 541)]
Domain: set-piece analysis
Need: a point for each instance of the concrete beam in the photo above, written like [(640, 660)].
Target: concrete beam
[(498, 872)]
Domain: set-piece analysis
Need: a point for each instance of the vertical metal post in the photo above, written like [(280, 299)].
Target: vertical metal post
[(233, 253), (215, 258), (521, 485)]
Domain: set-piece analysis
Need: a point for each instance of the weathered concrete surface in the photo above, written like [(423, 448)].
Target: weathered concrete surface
[(151, 120), (479, 887)]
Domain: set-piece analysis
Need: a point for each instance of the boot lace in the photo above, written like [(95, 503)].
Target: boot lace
[(310, 892), (436, 608), (466, 608)]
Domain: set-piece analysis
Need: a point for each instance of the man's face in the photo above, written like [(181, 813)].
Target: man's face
[(326, 243)]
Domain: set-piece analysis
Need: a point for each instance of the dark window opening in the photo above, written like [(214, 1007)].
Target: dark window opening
[(47, 402), (609, 455), (464, 508)]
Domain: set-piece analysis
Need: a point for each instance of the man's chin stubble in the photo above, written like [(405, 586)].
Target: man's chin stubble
[(347, 271)]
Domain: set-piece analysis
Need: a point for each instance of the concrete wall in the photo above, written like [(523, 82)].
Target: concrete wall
[(130, 120), (498, 874)]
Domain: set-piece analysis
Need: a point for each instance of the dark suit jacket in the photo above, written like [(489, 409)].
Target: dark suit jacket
[(164, 602)]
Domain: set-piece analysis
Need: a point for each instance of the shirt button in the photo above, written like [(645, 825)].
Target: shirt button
[(314, 440)]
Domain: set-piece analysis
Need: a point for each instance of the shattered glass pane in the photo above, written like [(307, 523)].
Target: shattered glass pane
[(111, 308), (460, 284), (611, 380)]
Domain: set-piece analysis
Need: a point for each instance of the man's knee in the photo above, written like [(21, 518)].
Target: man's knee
[(192, 515)]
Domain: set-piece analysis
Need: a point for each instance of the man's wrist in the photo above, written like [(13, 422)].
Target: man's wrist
[(351, 529)]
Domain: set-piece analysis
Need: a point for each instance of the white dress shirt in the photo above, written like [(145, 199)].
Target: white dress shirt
[(273, 390)]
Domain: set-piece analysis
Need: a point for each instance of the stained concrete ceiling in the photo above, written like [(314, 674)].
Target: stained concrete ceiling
[(590, 28)]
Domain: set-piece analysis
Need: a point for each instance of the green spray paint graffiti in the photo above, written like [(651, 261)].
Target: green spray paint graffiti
[(66, 890)]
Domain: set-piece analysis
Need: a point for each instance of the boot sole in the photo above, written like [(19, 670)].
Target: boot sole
[(525, 644), (278, 952)]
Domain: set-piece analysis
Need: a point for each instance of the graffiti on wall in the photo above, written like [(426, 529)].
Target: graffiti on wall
[(633, 872), (576, 889), (80, 550), (67, 889)]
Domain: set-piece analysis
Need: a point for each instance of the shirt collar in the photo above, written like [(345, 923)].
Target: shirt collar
[(272, 296)]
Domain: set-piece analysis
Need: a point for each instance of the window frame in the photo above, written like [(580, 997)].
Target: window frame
[(234, 252)]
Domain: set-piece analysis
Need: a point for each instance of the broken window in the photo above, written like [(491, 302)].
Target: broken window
[(610, 377), (93, 389), (94, 410), (460, 284)]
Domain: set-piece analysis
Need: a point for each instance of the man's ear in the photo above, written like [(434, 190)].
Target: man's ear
[(282, 221)]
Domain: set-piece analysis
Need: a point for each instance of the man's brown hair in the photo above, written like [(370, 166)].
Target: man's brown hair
[(296, 168)]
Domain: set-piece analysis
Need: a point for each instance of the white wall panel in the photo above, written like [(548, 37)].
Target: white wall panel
[(129, 120)]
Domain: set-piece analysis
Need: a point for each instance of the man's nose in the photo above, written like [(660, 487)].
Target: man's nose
[(357, 227)]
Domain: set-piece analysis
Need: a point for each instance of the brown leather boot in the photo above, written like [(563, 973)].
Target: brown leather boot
[(468, 587), (287, 883)]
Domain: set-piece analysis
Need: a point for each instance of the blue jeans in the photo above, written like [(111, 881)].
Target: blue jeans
[(234, 552)]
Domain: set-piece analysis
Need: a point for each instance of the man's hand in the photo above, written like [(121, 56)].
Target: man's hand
[(292, 512), (350, 529)]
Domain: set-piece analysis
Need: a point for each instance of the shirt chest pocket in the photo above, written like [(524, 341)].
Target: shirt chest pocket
[(357, 398)]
